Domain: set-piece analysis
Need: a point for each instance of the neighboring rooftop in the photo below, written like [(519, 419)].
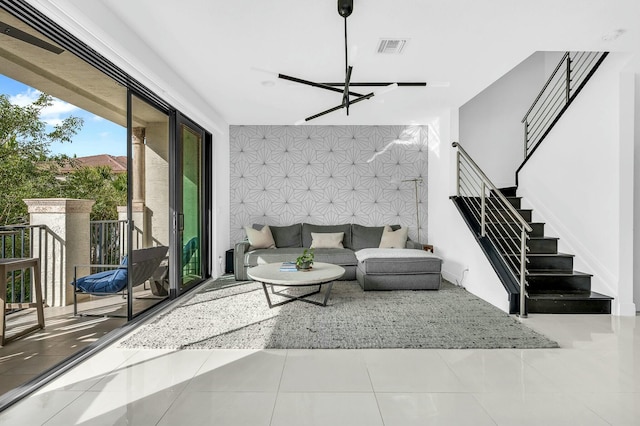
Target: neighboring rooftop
[(117, 164)]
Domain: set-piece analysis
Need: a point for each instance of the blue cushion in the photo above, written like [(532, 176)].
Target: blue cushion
[(189, 250), (106, 282)]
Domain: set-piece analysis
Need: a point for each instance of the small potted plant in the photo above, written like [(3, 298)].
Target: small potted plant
[(304, 262)]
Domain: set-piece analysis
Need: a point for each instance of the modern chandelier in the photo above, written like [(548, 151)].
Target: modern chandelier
[(349, 97)]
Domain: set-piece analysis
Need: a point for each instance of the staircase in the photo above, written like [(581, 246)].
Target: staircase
[(536, 277), (553, 286), (524, 258)]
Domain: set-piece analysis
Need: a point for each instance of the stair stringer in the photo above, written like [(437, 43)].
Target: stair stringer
[(490, 257)]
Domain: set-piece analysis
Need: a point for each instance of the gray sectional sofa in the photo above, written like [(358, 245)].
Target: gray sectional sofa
[(376, 269)]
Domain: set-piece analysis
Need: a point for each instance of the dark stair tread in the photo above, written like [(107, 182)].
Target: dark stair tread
[(518, 223), (547, 293), (509, 191), (545, 273), (550, 255), (531, 237), (533, 257), (569, 296), (503, 214)]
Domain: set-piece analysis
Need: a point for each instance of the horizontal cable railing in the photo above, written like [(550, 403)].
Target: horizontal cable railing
[(499, 220), (566, 80)]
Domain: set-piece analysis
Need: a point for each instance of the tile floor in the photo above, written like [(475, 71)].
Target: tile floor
[(593, 379)]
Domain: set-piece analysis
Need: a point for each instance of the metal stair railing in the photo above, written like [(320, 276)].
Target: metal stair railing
[(499, 220), (568, 78)]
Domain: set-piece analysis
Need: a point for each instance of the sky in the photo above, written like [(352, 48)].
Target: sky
[(97, 136)]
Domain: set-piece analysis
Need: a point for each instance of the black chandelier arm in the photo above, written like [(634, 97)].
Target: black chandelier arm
[(320, 85), (346, 49), (320, 114), (377, 84), (335, 108), (345, 94)]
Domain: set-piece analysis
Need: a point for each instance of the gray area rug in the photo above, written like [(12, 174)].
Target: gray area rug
[(227, 314)]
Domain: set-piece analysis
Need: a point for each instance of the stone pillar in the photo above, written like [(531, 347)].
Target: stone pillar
[(138, 165), (67, 244), (141, 230)]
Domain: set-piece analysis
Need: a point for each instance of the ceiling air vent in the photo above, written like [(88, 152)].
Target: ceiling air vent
[(392, 45)]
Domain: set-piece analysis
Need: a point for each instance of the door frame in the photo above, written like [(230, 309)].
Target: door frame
[(175, 201)]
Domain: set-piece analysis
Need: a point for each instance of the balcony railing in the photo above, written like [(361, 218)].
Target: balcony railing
[(19, 241), (108, 239)]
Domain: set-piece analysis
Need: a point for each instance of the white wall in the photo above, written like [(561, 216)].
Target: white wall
[(573, 182), (221, 202), (448, 232), (490, 124), (636, 156)]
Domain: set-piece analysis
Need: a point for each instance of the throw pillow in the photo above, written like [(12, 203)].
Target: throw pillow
[(259, 239), (327, 240), (394, 239)]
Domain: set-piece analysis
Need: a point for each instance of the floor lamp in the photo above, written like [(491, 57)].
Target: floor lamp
[(416, 181)]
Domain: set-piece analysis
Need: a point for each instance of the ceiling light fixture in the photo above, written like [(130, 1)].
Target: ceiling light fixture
[(349, 97)]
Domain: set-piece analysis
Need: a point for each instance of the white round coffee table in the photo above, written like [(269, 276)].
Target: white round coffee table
[(321, 274)]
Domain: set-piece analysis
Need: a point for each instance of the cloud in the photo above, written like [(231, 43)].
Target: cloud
[(51, 115)]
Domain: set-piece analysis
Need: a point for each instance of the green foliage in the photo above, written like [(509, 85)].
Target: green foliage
[(99, 184), (29, 170)]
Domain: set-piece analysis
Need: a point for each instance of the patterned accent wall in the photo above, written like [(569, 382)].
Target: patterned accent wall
[(282, 175)]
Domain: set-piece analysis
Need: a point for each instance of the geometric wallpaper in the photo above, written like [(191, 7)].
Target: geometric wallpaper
[(282, 175)]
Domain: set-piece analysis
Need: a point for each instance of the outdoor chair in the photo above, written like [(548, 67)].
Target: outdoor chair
[(114, 281), (160, 280)]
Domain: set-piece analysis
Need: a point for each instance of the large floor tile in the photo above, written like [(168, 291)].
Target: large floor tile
[(411, 370), (573, 370), (221, 408), (409, 409), (114, 408), (240, 370), (549, 409), (335, 409), (90, 371), (325, 371), (152, 371), (495, 370), (37, 409), (619, 409)]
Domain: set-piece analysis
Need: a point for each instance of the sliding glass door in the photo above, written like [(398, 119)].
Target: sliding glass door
[(189, 213)]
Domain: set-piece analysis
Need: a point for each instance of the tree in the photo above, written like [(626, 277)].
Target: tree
[(100, 184), (28, 169)]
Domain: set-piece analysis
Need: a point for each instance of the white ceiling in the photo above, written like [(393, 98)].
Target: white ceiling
[(212, 45)]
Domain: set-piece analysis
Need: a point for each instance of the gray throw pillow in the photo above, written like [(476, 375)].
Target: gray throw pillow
[(285, 236), (367, 236)]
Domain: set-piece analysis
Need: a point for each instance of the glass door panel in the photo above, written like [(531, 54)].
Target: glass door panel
[(190, 192), (149, 201)]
